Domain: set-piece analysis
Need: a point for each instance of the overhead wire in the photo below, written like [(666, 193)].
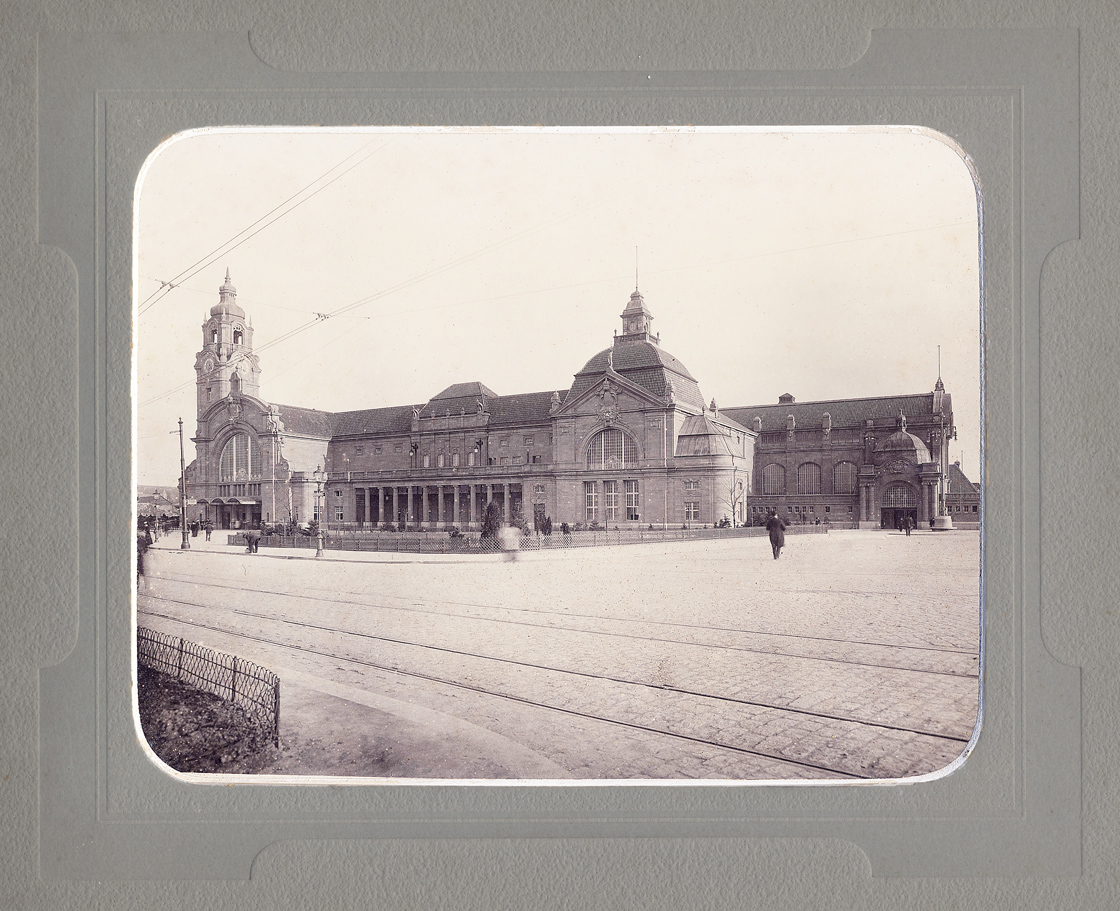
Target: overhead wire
[(167, 286)]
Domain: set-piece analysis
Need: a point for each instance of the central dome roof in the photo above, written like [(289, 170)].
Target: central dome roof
[(644, 363)]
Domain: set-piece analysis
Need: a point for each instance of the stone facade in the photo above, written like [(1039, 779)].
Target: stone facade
[(629, 443)]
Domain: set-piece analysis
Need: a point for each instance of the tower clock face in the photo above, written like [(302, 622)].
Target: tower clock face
[(208, 365)]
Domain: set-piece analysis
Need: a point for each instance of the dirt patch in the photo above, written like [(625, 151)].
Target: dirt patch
[(195, 731)]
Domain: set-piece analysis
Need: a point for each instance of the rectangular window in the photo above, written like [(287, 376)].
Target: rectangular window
[(691, 511), (504, 442), (455, 459), (538, 491), (529, 440), (397, 447), (504, 460), (691, 485), (358, 450), (610, 499), (338, 513), (377, 450), (472, 458), (631, 500), (338, 492), (591, 501), (316, 513)]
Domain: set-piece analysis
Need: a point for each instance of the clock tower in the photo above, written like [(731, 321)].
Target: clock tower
[(226, 364)]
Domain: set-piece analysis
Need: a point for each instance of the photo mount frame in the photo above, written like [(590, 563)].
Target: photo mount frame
[(107, 812)]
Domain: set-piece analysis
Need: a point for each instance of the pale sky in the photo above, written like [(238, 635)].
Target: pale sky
[(824, 263)]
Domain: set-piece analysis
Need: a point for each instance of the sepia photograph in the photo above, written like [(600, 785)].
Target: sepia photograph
[(558, 455)]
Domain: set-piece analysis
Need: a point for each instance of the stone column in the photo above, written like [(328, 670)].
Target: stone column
[(409, 507), (396, 504), (440, 490), (455, 506), (374, 514), (923, 506), (505, 502), (424, 506)]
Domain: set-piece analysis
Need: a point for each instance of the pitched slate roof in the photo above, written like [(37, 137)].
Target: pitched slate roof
[(306, 421), (394, 419), (465, 390), (843, 412), (959, 483), (643, 363), (528, 408)]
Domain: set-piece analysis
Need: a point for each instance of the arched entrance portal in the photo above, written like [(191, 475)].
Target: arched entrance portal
[(899, 501)]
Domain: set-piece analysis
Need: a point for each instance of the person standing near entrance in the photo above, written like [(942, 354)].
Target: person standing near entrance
[(777, 529), (907, 524)]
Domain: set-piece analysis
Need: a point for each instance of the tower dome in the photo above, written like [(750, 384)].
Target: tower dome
[(227, 300), (637, 355)]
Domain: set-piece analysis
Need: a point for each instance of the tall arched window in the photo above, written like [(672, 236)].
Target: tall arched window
[(844, 478), (809, 478), (611, 449), (899, 496), (773, 480), (241, 459)]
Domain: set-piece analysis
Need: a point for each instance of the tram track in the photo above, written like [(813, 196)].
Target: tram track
[(483, 691), (334, 630), (414, 606)]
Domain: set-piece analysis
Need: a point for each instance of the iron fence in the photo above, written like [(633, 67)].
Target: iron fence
[(438, 541), (255, 689)]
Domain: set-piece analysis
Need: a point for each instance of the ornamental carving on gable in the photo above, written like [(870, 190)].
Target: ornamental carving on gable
[(899, 466), (608, 412)]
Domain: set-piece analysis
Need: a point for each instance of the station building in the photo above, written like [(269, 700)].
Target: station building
[(630, 442)]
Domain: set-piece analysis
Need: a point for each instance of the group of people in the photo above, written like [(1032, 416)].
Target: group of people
[(198, 525)]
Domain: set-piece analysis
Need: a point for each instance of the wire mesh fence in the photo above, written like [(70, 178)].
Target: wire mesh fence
[(440, 542), (255, 689)]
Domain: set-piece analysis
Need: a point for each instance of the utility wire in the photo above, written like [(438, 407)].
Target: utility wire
[(166, 287)]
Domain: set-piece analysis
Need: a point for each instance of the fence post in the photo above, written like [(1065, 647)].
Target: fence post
[(179, 668), (276, 712), (233, 682)]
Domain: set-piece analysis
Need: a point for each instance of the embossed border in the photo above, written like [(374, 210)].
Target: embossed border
[(1005, 96)]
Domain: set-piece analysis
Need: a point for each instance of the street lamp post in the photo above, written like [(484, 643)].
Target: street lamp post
[(319, 476), (186, 545)]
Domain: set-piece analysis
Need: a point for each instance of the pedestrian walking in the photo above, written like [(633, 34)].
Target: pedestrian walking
[(777, 529), (253, 539), (208, 527), (143, 542), (509, 536)]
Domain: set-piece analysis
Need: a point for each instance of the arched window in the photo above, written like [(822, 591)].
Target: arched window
[(809, 478), (844, 478), (611, 449), (237, 336), (241, 459), (899, 496), (213, 335), (773, 480)]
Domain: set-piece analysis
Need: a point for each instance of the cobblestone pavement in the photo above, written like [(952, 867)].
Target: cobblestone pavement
[(853, 656)]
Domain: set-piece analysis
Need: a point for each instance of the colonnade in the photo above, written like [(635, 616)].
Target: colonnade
[(428, 505)]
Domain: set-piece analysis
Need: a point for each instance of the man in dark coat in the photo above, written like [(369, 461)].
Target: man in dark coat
[(777, 529)]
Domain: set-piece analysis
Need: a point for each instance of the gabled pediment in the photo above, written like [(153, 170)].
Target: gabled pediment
[(611, 392)]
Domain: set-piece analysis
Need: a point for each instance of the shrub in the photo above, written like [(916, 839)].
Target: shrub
[(491, 522)]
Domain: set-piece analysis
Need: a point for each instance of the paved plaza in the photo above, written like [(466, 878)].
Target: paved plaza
[(855, 656)]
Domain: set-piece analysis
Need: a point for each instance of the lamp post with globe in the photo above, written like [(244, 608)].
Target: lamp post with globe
[(319, 477)]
